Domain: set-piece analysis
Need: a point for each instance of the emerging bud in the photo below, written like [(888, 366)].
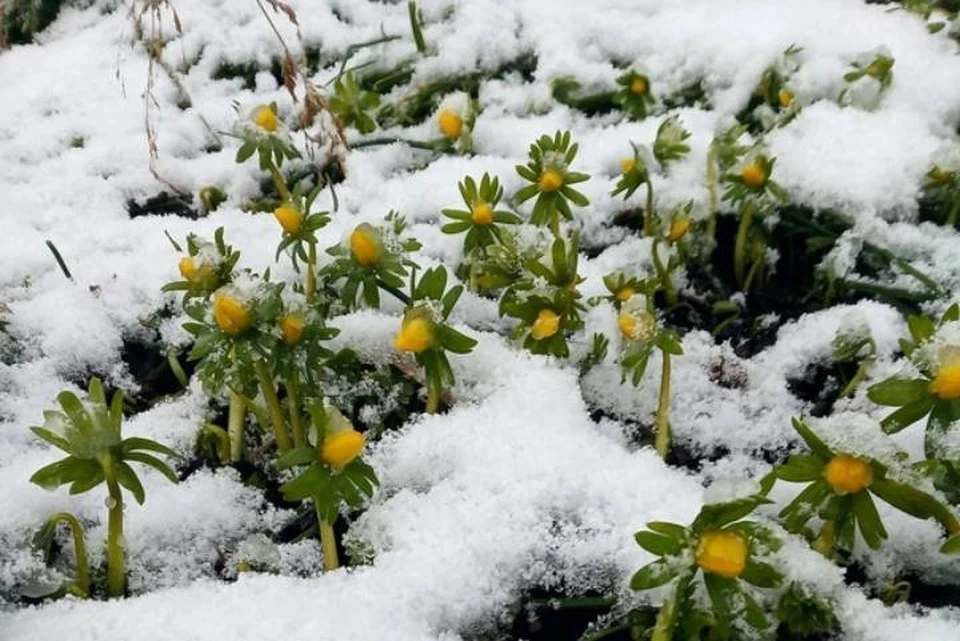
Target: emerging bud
[(678, 229), (722, 553), (848, 475), (341, 448), (625, 294), (291, 327), (188, 268), (481, 214), (639, 85), (211, 197), (628, 164), (365, 245), (946, 384), (231, 315), (551, 180), (754, 176), (203, 275), (450, 124), (546, 324), (265, 118), (415, 335), (289, 217), (637, 326), (785, 97)]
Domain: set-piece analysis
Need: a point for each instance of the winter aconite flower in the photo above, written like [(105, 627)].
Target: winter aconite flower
[(636, 326), (625, 294), (415, 335), (786, 98), (754, 175), (847, 474), (550, 181), (265, 117), (546, 324), (365, 244), (450, 123), (678, 229), (289, 217), (946, 382), (639, 85), (291, 328), (723, 553), (481, 214), (231, 315), (341, 448)]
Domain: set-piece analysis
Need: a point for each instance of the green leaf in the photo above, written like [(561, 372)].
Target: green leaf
[(450, 299), (138, 443), (921, 328), (295, 457), (910, 500), (245, 151), (76, 411), (952, 545), (52, 438), (653, 575), (670, 529), (152, 461), (804, 506), (907, 415), (454, 341), (868, 520), (762, 575), (898, 391), (723, 595), (312, 482), (50, 477), (128, 479), (812, 440), (658, 544), (457, 227), (713, 516), (800, 468)]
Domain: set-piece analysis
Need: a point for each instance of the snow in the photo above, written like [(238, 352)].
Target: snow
[(517, 487)]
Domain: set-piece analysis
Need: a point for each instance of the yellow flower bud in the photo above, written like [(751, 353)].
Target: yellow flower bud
[(365, 245), (722, 553), (754, 176), (415, 335), (946, 384), (546, 324), (639, 85), (188, 269), (637, 326), (678, 229), (450, 124), (628, 164), (625, 294), (265, 118), (551, 180), (785, 97), (341, 448), (230, 314), (289, 217), (291, 327), (203, 276), (481, 213), (848, 475)]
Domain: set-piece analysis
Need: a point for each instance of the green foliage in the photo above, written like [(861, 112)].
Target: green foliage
[(634, 96), (670, 143), (352, 104), (481, 219), (551, 180)]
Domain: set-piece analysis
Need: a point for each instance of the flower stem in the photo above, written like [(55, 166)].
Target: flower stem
[(328, 543), (273, 405), (82, 584), (648, 210), (824, 543), (740, 248), (237, 416), (712, 200), (669, 291), (293, 400), (861, 373), (954, 214), (116, 574), (662, 441), (279, 182), (396, 293), (310, 284), (433, 398)]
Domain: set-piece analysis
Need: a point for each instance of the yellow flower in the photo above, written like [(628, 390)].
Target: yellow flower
[(847, 474), (625, 294), (339, 449), (678, 229), (450, 123), (946, 384), (188, 269), (365, 245), (204, 276), (636, 326), (639, 85), (754, 175), (481, 213), (722, 553), (546, 324), (265, 118), (415, 335), (551, 180), (628, 164), (231, 315), (291, 327), (289, 217), (785, 97)]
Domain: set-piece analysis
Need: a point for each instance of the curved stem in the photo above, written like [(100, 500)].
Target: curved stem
[(273, 406), (740, 248), (662, 441), (293, 402), (237, 416), (116, 574), (390, 289), (648, 210), (859, 375), (82, 584), (174, 362), (310, 284), (669, 291), (279, 183), (328, 543)]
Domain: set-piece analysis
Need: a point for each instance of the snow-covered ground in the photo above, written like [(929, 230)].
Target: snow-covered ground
[(516, 487)]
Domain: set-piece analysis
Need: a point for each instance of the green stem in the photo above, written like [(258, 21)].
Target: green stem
[(82, 584), (279, 183), (293, 400), (858, 377), (669, 291), (433, 398), (116, 575), (223, 441), (310, 285), (712, 200), (416, 28), (174, 362), (328, 543), (555, 224), (740, 248), (273, 406), (754, 270), (662, 441), (237, 416), (825, 541), (416, 144), (396, 293), (954, 214), (648, 210)]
